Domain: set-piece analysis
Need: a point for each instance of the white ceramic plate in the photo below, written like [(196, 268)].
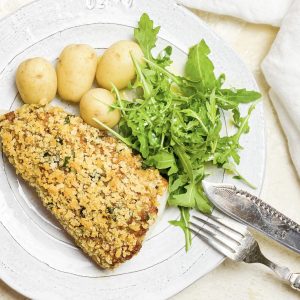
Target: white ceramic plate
[(36, 257)]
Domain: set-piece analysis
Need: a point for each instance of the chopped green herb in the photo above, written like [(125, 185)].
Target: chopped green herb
[(46, 154), (81, 211), (60, 140), (110, 210), (67, 119), (66, 161), (50, 205)]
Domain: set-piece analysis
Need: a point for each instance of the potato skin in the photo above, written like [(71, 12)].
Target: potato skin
[(36, 81), (116, 65), (76, 69), (96, 104)]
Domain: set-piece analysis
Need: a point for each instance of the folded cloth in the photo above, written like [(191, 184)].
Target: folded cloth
[(254, 11), (281, 68), (281, 65)]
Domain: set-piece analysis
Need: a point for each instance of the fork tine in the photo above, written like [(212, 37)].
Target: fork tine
[(218, 221), (220, 229), (217, 246), (208, 232)]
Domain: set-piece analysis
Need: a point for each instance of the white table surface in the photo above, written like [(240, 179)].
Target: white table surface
[(233, 281)]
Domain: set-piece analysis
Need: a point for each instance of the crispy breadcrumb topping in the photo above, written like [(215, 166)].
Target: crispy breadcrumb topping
[(91, 182)]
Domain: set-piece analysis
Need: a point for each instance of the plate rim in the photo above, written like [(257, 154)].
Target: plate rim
[(206, 27)]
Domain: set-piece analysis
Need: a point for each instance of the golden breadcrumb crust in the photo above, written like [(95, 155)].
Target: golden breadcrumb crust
[(91, 182)]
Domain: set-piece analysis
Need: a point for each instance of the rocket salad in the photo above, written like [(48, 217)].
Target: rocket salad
[(175, 121)]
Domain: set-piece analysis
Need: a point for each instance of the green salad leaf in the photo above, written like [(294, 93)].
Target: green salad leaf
[(240, 95), (146, 35), (183, 223), (175, 122), (199, 67)]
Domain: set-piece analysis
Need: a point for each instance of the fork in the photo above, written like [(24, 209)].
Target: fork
[(233, 240)]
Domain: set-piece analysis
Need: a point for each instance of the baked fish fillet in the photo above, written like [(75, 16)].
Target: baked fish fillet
[(91, 182)]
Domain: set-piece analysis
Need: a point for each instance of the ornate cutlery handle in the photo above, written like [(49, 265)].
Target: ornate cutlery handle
[(295, 281), (283, 272)]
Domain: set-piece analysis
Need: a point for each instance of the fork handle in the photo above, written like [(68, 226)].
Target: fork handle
[(294, 281), (284, 273)]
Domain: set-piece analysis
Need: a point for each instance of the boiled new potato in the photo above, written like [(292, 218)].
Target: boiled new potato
[(76, 69), (36, 81), (116, 65), (96, 103)]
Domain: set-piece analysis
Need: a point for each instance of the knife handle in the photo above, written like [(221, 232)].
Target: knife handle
[(294, 280)]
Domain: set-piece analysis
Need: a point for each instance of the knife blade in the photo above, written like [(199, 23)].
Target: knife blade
[(250, 210)]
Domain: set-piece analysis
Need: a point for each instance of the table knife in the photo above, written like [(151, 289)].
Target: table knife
[(252, 211)]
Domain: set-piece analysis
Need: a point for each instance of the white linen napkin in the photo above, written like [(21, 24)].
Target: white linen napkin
[(254, 11), (281, 66)]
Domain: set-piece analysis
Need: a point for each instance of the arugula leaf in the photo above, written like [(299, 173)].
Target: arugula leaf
[(193, 114), (236, 117), (142, 81), (192, 198), (183, 223), (230, 167), (202, 202), (163, 160), (240, 95), (185, 162), (164, 57), (146, 35), (199, 67), (212, 109), (177, 183), (244, 126), (187, 199)]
